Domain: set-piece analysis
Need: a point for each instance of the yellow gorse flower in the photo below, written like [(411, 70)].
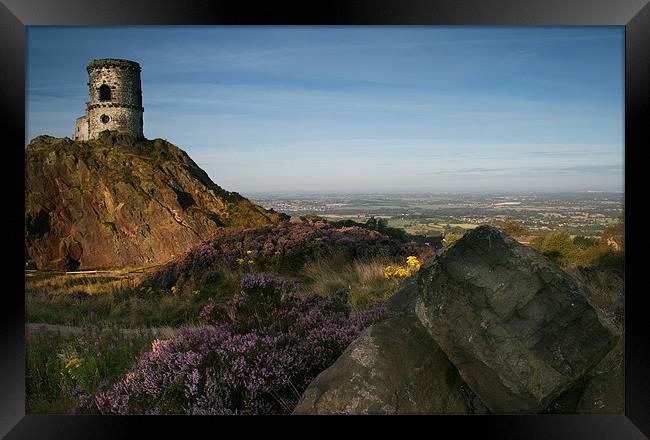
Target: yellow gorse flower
[(240, 261), (413, 262), (398, 272), (249, 252), (72, 365), (174, 290)]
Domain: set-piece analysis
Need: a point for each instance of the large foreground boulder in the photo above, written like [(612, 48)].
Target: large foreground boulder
[(394, 367), (519, 330)]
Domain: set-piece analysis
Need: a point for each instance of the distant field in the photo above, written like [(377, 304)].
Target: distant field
[(577, 213), (464, 225), (411, 226), (429, 229), (356, 218)]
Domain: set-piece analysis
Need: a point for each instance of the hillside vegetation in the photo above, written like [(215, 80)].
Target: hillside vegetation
[(282, 301)]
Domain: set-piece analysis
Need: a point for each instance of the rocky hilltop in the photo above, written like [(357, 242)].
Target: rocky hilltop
[(118, 201), (489, 326)]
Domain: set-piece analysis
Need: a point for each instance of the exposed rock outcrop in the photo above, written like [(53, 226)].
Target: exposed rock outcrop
[(518, 328), (118, 201), (506, 329)]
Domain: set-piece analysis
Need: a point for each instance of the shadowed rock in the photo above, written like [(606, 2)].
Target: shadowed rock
[(518, 328), (605, 389), (602, 390), (394, 367)]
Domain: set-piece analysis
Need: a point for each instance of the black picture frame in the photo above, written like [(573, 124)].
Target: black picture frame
[(15, 15)]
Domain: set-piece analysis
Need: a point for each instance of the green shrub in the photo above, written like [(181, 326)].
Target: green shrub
[(451, 237), (511, 227), (61, 367), (577, 252)]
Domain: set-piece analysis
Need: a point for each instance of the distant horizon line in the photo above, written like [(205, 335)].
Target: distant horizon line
[(422, 193)]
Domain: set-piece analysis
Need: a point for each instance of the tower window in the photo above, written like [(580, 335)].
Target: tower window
[(104, 93), (105, 119)]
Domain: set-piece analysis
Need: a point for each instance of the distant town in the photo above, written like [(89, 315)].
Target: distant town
[(583, 213)]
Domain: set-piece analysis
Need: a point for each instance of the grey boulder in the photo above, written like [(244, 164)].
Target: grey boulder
[(393, 367), (519, 330)]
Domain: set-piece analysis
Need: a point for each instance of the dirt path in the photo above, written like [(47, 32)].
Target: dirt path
[(161, 332), (115, 272)]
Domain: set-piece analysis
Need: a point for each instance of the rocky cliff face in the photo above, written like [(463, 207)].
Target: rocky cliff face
[(119, 201)]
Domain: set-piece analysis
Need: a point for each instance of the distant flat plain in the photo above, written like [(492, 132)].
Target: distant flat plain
[(582, 213)]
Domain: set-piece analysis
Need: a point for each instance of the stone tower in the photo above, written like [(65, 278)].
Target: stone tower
[(115, 99)]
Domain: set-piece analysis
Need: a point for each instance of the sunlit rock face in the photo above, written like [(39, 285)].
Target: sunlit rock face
[(119, 200)]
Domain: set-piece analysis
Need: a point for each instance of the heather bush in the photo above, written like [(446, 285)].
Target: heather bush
[(258, 362), (285, 247)]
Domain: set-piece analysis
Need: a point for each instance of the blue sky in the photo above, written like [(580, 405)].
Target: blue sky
[(360, 109)]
